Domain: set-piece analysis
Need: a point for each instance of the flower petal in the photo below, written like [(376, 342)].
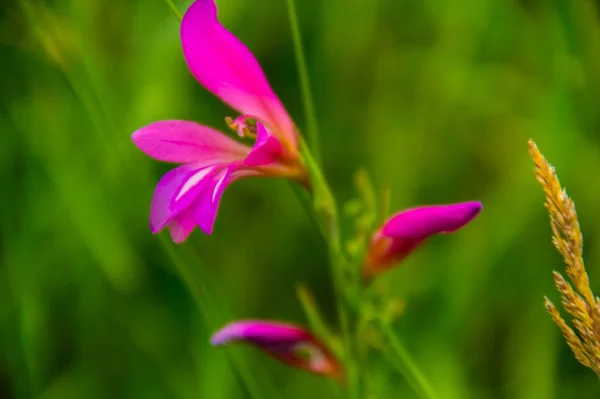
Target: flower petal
[(427, 220), (225, 67), (267, 149), (207, 203), (175, 192), (182, 225), (404, 232), (185, 141), (208, 198), (286, 342)]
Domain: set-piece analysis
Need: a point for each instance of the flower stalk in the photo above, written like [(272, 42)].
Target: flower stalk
[(325, 208), (189, 196)]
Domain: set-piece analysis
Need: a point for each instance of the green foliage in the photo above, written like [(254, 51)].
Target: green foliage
[(435, 99)]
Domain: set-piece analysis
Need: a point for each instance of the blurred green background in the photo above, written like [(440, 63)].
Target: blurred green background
[(436, 98)]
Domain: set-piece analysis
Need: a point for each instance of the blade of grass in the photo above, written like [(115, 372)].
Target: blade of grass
[(405, 365), (311, 309), (175, 10), (309, 109), (318, 325)]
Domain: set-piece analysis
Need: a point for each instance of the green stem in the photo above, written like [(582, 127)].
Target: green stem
[(307, 204), (309, 109), (175, 10), (325, 208), (315, 318), (406, 366)]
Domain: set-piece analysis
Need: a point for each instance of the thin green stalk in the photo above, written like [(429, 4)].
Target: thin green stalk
[(325, 208), (315, 318), (309, 109), (306, 203), (175, 10), (319, 327), (402, 370), (349, 358), (406, 366)]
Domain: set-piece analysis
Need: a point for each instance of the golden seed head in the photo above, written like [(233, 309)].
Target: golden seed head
[(577, 297)]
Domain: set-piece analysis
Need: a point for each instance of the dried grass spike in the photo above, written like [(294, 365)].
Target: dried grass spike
[(577, 297), (572, 339)]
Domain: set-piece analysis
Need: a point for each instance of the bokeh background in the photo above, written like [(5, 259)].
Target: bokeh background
[(435, 98)]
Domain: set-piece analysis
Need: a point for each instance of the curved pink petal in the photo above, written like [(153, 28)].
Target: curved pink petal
[(208, 199), (427, 220), (190, 194), (260, 333), (267, 149), (286, 342), (207, 203), (182, 225), (175, 192), (404, 232), (222, 64), (185, 141)]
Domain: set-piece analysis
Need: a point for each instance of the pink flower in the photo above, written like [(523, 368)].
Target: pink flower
[(189, 195), (402, 233), (288, 343)]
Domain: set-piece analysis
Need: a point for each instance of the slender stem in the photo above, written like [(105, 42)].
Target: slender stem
[(325, 207), (351, 366), (338, 263), (309, 109), (175, 10), (407, 367), (306, 203), (315, 317)]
